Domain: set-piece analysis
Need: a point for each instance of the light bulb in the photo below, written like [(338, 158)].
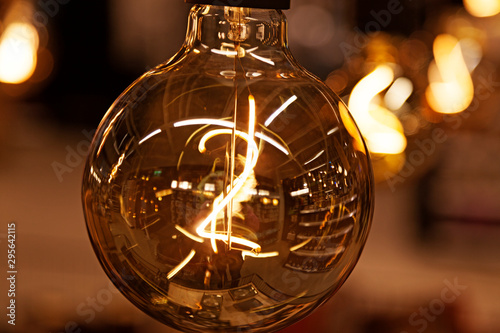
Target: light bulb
[(228, 189)]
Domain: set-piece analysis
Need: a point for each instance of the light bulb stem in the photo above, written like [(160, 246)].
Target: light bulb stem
[(233, 146), (238, 19), (232, 159), (212, 28)]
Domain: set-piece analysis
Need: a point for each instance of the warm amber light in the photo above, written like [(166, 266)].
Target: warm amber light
[(451, 89), (482, 8), (181, 265), (398, 93), (18, 52), (382, 130), (241, 182)]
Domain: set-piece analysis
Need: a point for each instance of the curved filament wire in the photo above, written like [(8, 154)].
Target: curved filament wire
[(222, 201)]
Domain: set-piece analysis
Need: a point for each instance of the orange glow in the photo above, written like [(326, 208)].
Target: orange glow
[(18, 52), (240, 183), (260, 255), (451, 89), (301, 245), (116, 167), (381, 129), (482, 8), (183, 263)]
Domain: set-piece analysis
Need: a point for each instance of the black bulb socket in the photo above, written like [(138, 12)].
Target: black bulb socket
[(266, 4)]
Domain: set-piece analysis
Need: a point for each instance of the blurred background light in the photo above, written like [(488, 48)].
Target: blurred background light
[(382, 130), (482, 8), (19, 42), (451, 89), (18, 52), (437, 211)]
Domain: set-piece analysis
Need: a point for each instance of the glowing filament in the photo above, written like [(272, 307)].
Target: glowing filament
[(228, 124), (222, 201), (189, 235)]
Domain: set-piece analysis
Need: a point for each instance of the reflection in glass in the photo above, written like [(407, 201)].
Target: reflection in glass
[(219, 199)]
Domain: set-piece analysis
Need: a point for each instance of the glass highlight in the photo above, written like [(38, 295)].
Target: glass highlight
[(224, 189)]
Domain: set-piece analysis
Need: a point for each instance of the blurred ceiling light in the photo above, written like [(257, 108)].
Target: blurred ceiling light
[(259, 255), (18, 52), (482, 8), (382, 130), (225, 52), (315, 157), (266, 60), (19, 43), (451, 89)]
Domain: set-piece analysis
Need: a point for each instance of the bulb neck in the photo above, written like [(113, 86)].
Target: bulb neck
[(223, 27), (275, 4)]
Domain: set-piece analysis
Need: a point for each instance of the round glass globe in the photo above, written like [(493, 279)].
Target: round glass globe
[(228, 189)]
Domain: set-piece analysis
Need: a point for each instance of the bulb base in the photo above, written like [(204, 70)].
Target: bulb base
[(266, 4)]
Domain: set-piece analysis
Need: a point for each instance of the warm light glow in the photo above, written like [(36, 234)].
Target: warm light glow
[(163, 193), (185, 185), (183, 263), (333, 130), (204, 121), (280, 110), (398, 93), (18, 52), (201, 146), (301, 245), (482, 8), (382, 130), (266, 60), (237, 185), (272, 142), (259, 255), (116, 167), (451, 89), (149, 136), (225, 52), (228, 124), (108, 130), (94, 174), (315, 157), (189, 235), (299, 192)]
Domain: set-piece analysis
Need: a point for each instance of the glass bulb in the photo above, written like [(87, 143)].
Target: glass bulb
[(228, 188)]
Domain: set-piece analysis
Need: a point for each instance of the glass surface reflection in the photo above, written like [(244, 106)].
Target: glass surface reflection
[(219, 200)]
